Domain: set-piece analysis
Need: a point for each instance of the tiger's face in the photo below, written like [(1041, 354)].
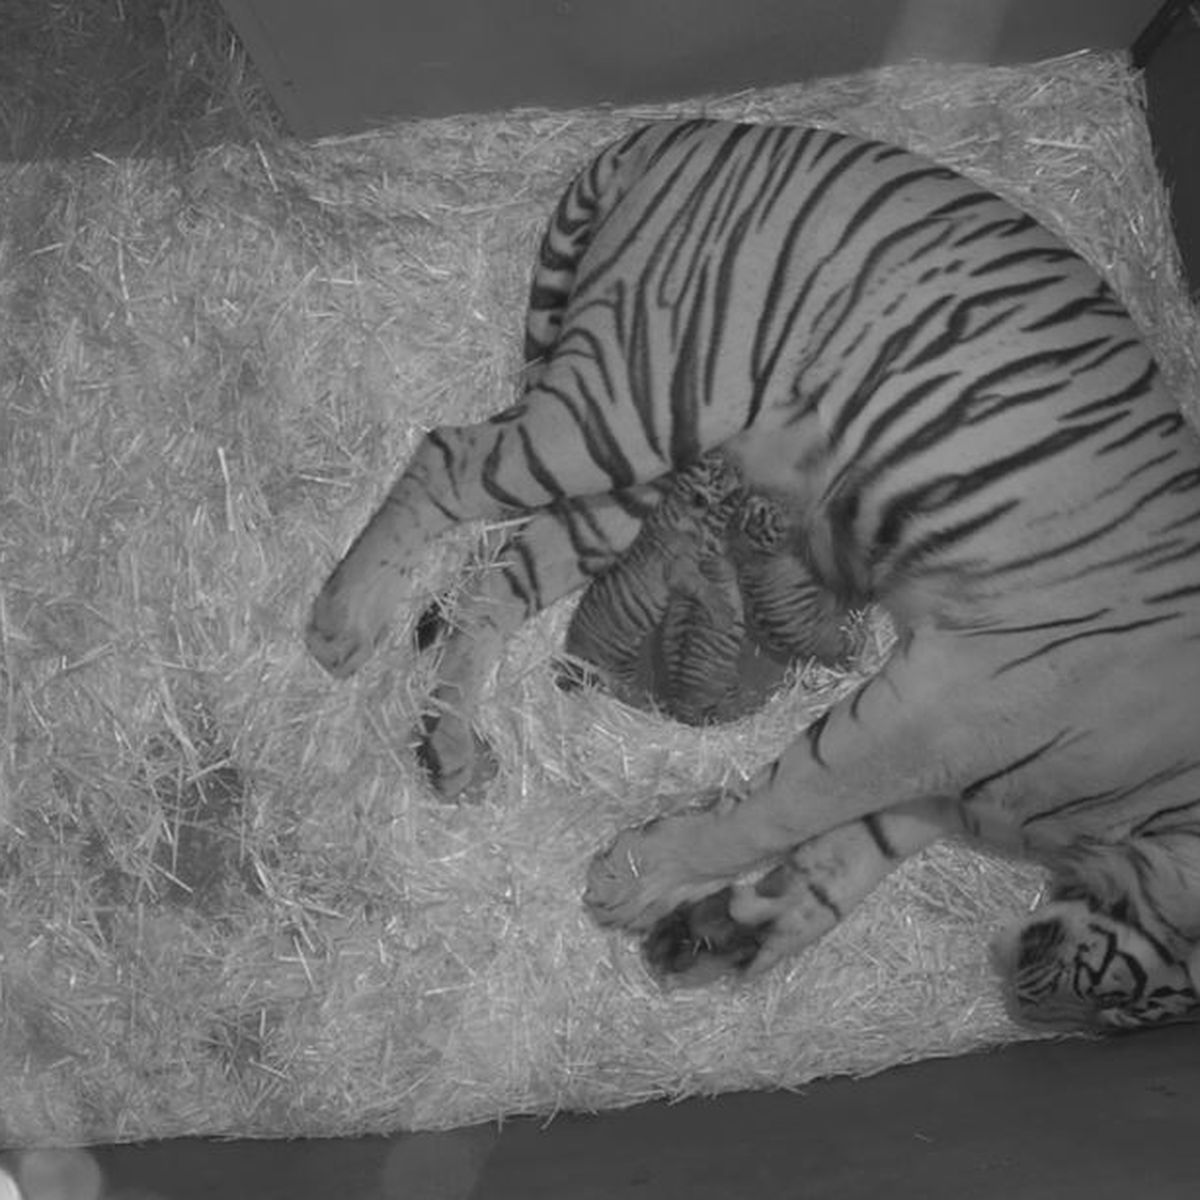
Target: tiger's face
[(1066, 966)]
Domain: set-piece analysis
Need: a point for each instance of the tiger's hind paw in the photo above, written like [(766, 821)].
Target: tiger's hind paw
[(701, 941), (740, 930), (336, 645), (348, 620), (457, 761)]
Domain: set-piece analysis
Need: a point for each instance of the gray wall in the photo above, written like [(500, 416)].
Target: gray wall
[(342, 65)]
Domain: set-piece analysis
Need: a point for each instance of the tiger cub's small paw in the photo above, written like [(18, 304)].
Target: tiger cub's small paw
[(333, 642)]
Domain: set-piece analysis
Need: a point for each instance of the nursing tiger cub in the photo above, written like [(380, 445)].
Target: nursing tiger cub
[(663, 625), (972, 434), (789, 614), (712, 581)]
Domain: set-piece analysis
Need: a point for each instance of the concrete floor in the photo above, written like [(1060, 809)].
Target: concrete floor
[(1054, 1120)]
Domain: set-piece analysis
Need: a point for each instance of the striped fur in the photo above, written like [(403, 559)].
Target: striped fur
[(671, 597), (714, 571), (789, 614), (699, 641), (971, 433), (1074, 966)]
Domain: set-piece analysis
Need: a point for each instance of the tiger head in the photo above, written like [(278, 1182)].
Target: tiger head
[(1068, 966)]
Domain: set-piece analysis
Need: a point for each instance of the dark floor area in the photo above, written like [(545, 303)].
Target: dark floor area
[(1062, 1120), (1066, 1120)]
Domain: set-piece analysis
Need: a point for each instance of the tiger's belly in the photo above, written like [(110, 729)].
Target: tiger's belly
[(1116, 757)]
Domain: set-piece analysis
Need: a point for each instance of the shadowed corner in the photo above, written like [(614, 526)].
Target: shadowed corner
[(92, 78)]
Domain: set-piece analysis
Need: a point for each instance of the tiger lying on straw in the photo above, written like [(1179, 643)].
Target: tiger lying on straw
[(710, 571), (973, 435)]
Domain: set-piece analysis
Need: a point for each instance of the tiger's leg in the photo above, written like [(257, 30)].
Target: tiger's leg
[(549, 291), (556, 552), (577, 432), (748, 926), (1066, 966), (934, 719)]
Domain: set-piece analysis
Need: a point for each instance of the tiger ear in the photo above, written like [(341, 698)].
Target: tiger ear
[(1028, 941), (1027, 956)]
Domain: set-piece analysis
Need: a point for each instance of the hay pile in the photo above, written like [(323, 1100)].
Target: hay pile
[(230, 905)]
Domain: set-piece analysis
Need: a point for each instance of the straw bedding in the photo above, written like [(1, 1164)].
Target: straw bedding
[(231, 905)]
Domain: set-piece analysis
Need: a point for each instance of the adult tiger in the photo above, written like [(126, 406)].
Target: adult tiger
[(974, 436)]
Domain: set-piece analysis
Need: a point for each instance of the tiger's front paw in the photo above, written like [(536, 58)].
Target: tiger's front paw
[(337, 646), (458, 762), (628, 887), (649, 870)]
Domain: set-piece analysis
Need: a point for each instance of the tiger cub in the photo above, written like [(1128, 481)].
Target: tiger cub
[(712, 577), (789, 614), (663, 625), (972, 434)]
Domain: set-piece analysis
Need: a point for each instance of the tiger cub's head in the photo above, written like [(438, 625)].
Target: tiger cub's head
[(762, 524), (703, 498), (1068, 966)]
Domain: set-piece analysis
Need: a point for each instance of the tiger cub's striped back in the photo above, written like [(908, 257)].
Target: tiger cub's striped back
[(789, 614), (714, 581), (669, 569)]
